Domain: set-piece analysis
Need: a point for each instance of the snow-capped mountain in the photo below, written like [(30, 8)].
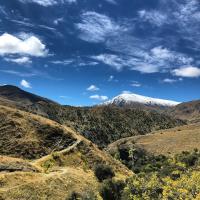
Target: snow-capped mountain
[(128, 99)]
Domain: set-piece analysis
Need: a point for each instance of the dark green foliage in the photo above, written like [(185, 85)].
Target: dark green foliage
[(139, 161), (106, 124), (189, 159), (112, 190), (158, 177), (103, 172), (88, 195)]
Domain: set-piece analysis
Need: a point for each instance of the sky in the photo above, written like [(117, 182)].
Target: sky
[(84, 52)]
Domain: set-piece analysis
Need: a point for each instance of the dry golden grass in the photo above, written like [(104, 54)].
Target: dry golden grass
[(57, 174), (166, 142), (56, 185)]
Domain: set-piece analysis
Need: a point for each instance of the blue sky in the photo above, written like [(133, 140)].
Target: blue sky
[(83, 52)]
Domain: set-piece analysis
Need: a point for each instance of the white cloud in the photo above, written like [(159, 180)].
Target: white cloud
[(48, 2), (146, 68), (111, 78), (20, 61), (126, 92), (169, 80), (109, 59), (92, 88), (98, 97), (17, 73), (58, 20), (154, 17), (157, 59), (31, 46), (136, 84), (62, 62), (112, 2), (162, 53), (187, 71), (25, 84), (96, 27)]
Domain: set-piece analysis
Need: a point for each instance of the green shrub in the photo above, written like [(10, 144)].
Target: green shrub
[(103, 172), (111, 190)]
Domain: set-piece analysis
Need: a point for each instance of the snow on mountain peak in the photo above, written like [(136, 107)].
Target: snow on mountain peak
[(135, 98)]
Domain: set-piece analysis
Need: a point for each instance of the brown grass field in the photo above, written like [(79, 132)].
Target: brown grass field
[(166, 142)]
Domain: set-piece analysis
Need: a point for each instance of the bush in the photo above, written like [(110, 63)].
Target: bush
[(111, 190), (103, 172), (87, 195)]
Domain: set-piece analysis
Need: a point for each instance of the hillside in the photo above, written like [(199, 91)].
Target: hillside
[(106, 124), (167, 142), (13, 96), (60, 161), (187, 111), (30, 136)]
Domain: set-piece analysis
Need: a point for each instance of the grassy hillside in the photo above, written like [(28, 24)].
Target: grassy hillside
[(61, 163), (28, 136), (166, 142)]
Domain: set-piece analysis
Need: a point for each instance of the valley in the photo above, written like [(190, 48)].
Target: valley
[(50, 151)]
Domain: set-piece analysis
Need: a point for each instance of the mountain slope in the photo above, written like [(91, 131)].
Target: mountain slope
[(166, 142), (29, 136), (13, 96), (106, 124), (60, 161), (187, 111), (128, 99)]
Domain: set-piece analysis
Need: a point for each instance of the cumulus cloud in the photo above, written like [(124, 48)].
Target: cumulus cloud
[(99, 97), (92, 88), (187, 71), (48, 2), (20, 61), (31, 46), (25, 84)]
